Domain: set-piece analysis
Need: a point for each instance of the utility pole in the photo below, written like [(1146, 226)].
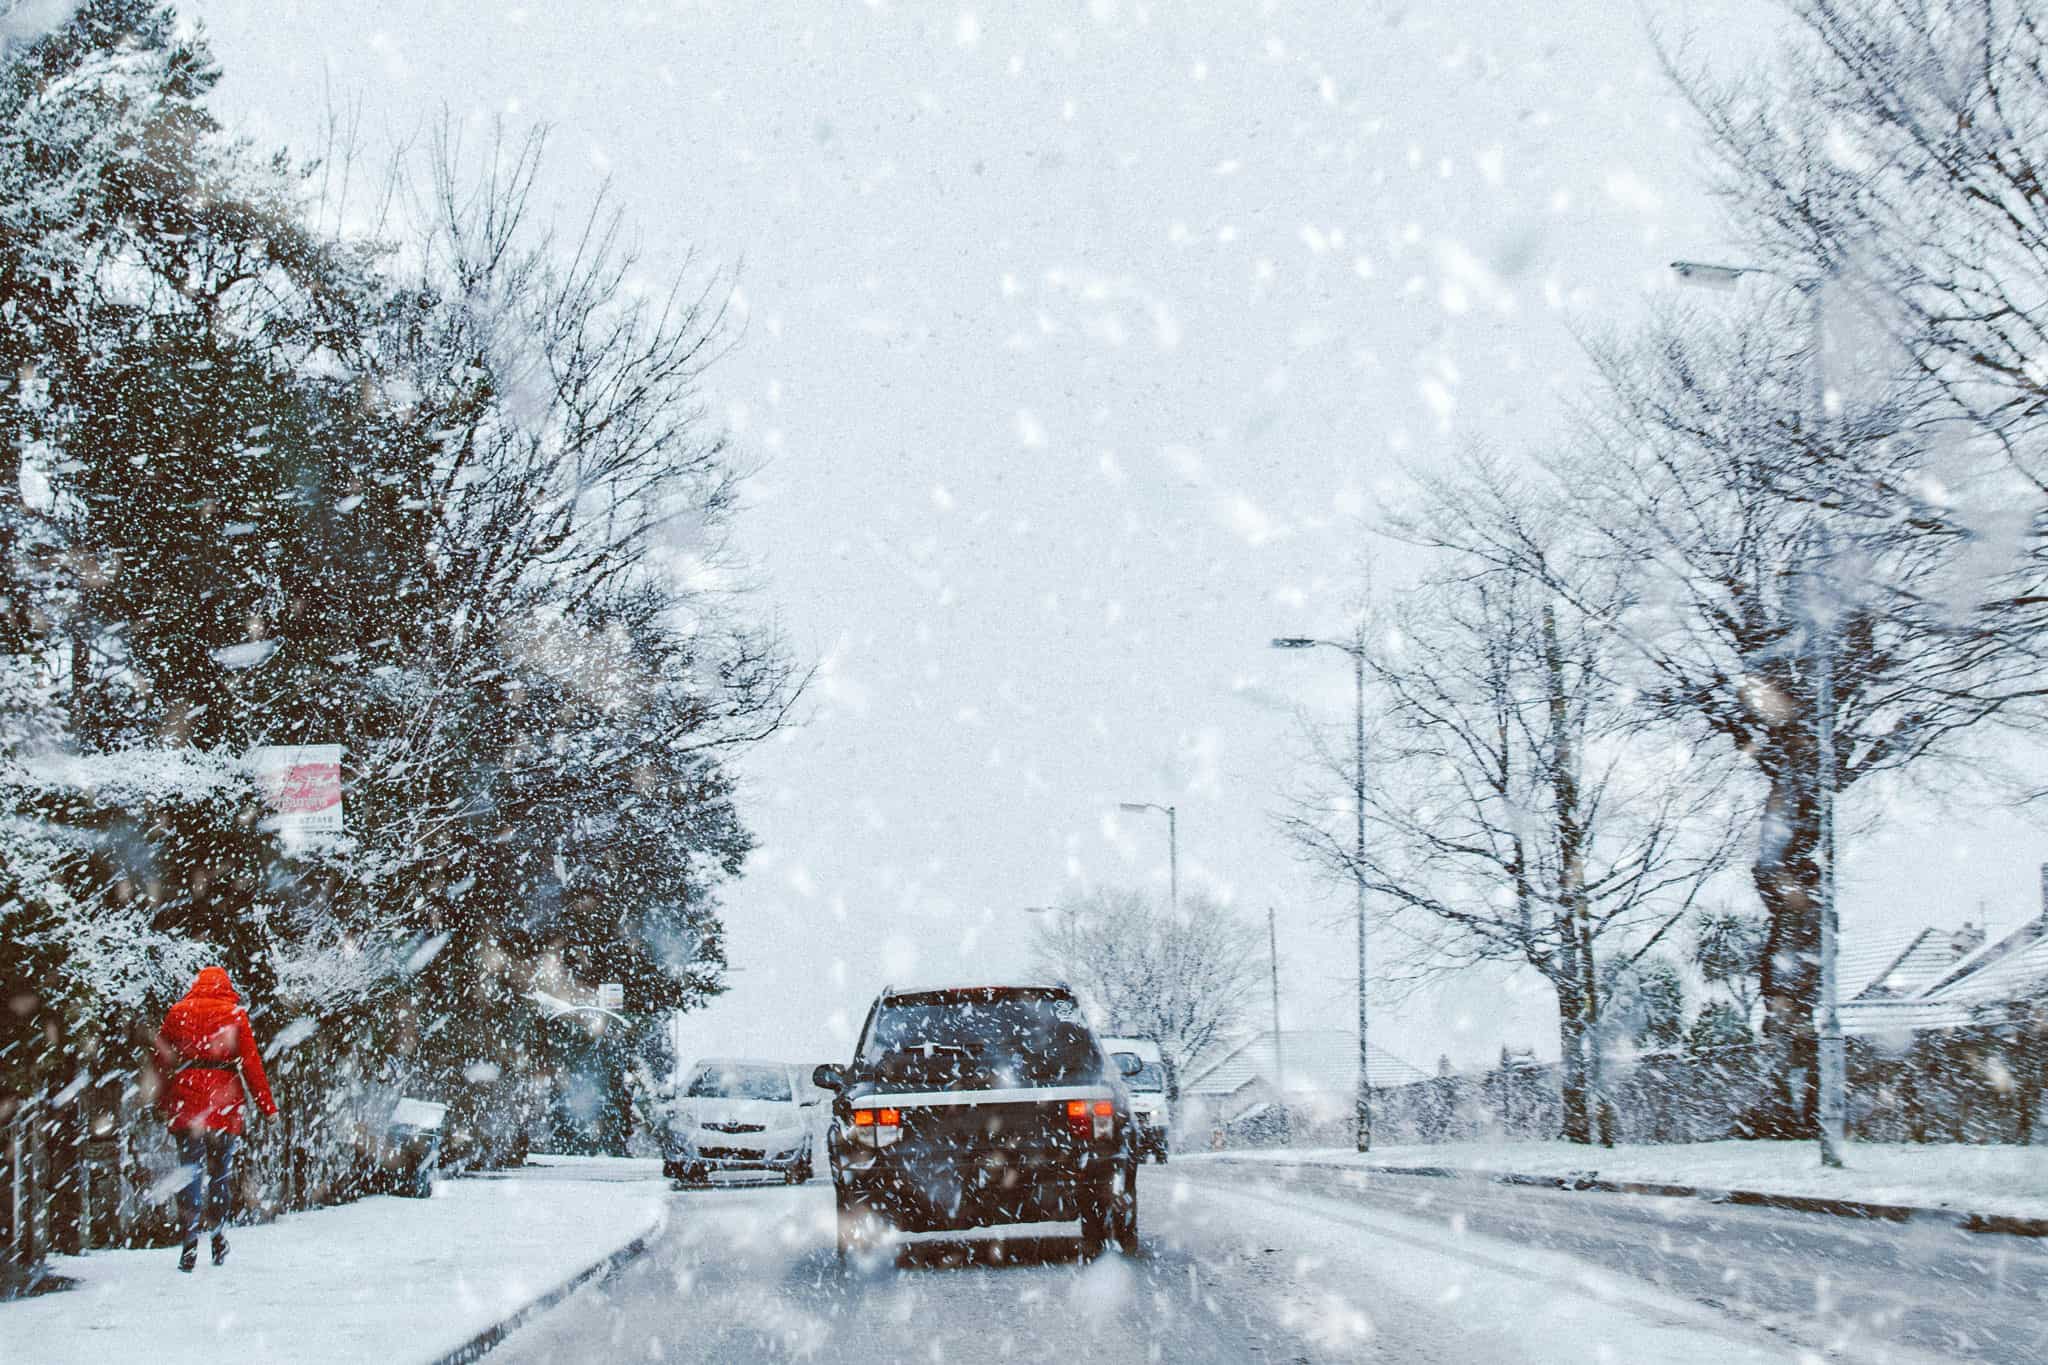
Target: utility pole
[(1273, 956), (1358, 869), (1172, 847), (1173, 861), (1833, 1061), (1355, 647), (1827, 1022)]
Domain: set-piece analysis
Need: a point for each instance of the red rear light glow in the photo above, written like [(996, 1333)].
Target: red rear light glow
[(1104, 1107), (1084, 1124), (877, 1128)]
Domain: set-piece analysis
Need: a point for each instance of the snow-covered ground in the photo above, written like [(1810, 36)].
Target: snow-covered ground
[(384, 1279), (1994, 1180)]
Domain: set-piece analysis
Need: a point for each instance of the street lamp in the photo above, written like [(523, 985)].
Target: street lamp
[(1064, 913), (1356, 649), (1172, 847), (1828, 1026)]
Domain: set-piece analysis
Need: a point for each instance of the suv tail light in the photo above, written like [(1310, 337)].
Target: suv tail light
[(1087, 1119), (877, 1127)]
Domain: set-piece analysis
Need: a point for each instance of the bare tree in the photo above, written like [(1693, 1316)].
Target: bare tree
[(1182, 980), (562, 467), (1733, 513), (1901, 148), (1518, 812)]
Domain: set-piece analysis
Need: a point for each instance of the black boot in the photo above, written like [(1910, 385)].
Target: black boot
[(188, 1257), (220, 1247)]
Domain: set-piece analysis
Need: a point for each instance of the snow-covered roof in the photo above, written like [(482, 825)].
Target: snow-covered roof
[(1933, 988), (1324, 1061), (1885, 968)]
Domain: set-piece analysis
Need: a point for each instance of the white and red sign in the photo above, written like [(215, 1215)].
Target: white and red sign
[(301, 783)]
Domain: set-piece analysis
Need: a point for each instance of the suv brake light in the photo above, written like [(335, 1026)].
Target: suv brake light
[(877, 1127), (1086, 1120)]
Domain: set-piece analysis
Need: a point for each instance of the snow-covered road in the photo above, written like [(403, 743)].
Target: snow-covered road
[(1235, 1266), (1855, 1288)]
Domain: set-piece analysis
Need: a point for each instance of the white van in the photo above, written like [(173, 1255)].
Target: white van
[(1148, 1095)]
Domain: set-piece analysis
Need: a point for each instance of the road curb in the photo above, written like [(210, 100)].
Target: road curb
[(483, 1341), (2007, 1224)]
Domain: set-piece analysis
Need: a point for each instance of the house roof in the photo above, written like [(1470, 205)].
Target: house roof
[(1323, 1061), (1895, 965), (1954, 993)]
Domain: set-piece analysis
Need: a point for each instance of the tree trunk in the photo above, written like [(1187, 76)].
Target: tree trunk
[(1577, 1007), (1787, 877), (1604, 1117), (2032, 1058), (1571, 1039)]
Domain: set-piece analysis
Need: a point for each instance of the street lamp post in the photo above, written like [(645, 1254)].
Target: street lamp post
[(1356, 649), (1172, 847), (1273, 961), (1828, 1021)]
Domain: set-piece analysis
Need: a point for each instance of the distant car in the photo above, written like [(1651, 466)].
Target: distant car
[(1151, 1125), (737, 1114), (978, 1105)]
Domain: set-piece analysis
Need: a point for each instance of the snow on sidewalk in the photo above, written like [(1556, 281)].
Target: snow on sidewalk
[(2010, 1181), (382, 1279)]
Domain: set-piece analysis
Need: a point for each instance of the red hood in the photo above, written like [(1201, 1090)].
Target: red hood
[(212, 984), (202, 1024)]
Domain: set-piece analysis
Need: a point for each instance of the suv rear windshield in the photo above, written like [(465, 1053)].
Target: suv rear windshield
[(740, 1083), (980, 1038)]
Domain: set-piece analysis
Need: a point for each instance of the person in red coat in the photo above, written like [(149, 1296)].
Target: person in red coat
[(208, 1051)]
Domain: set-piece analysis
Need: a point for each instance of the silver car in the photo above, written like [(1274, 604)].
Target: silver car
[(739, 1114)]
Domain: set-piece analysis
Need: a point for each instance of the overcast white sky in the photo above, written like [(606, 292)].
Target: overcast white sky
[(1081, 343)]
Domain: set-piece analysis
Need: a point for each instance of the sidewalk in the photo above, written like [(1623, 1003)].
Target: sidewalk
[(1999, 1186), (383, 1279)]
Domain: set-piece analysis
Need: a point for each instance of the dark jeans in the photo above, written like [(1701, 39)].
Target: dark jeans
[(209, 1198)]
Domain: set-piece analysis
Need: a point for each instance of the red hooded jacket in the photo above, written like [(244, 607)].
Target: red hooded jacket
[(204, 1043)]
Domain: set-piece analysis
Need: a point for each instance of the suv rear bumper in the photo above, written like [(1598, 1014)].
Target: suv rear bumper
[(955, 1191)]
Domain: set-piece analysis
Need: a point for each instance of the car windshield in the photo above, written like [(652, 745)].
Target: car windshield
[(740, 1083), (1148, 1077)]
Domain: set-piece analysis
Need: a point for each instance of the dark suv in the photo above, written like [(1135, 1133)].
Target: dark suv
[(971, 1106)]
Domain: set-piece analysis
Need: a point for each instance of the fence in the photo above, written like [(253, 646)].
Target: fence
[(77, 1173), (1978, 1085), (91, 1165)]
